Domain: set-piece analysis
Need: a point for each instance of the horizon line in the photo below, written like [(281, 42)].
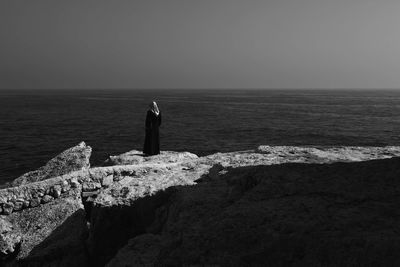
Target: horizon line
[(199, 88)]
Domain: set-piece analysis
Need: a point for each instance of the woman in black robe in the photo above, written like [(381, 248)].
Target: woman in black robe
[(152, 138)]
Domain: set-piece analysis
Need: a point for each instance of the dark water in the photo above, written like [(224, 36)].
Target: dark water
[(37, 125)]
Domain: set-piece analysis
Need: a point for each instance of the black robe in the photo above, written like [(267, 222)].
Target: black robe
[(152, 138)]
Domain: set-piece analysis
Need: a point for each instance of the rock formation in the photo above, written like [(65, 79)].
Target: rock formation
[(72, 159), (280, 206), (344, 214)]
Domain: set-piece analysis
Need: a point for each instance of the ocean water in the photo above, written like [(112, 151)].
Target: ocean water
[(36, 125)]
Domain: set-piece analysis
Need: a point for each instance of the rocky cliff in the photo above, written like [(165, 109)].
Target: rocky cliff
[(72, 159), (272, 206)]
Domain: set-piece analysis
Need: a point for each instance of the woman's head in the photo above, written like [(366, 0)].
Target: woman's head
[(154, 108)]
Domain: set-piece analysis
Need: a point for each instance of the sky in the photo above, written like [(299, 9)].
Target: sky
[(199, 44)]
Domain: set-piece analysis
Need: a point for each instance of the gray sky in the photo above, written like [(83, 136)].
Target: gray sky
[(200, 44)]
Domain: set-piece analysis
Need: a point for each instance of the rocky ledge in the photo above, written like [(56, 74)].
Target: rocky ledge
[(272, 206)]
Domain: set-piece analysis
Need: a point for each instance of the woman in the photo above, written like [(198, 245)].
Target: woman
[(152, 138)]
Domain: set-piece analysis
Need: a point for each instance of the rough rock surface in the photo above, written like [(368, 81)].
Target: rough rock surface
[(341, 214), (31, 195), (269, 155), (138, 197), (72, 159), (51, 234), (328, 154), (44, 222), (130, 202), (225, 209), (136, 157)]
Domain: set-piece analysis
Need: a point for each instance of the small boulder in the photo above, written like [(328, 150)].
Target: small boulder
[(8, 208), (18, 205), (46, 199), (74, 183), (107, 181), (90, 186), (35, 202), (55, 191)]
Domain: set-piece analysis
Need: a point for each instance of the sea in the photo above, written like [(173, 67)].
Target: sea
[(36, 125)]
